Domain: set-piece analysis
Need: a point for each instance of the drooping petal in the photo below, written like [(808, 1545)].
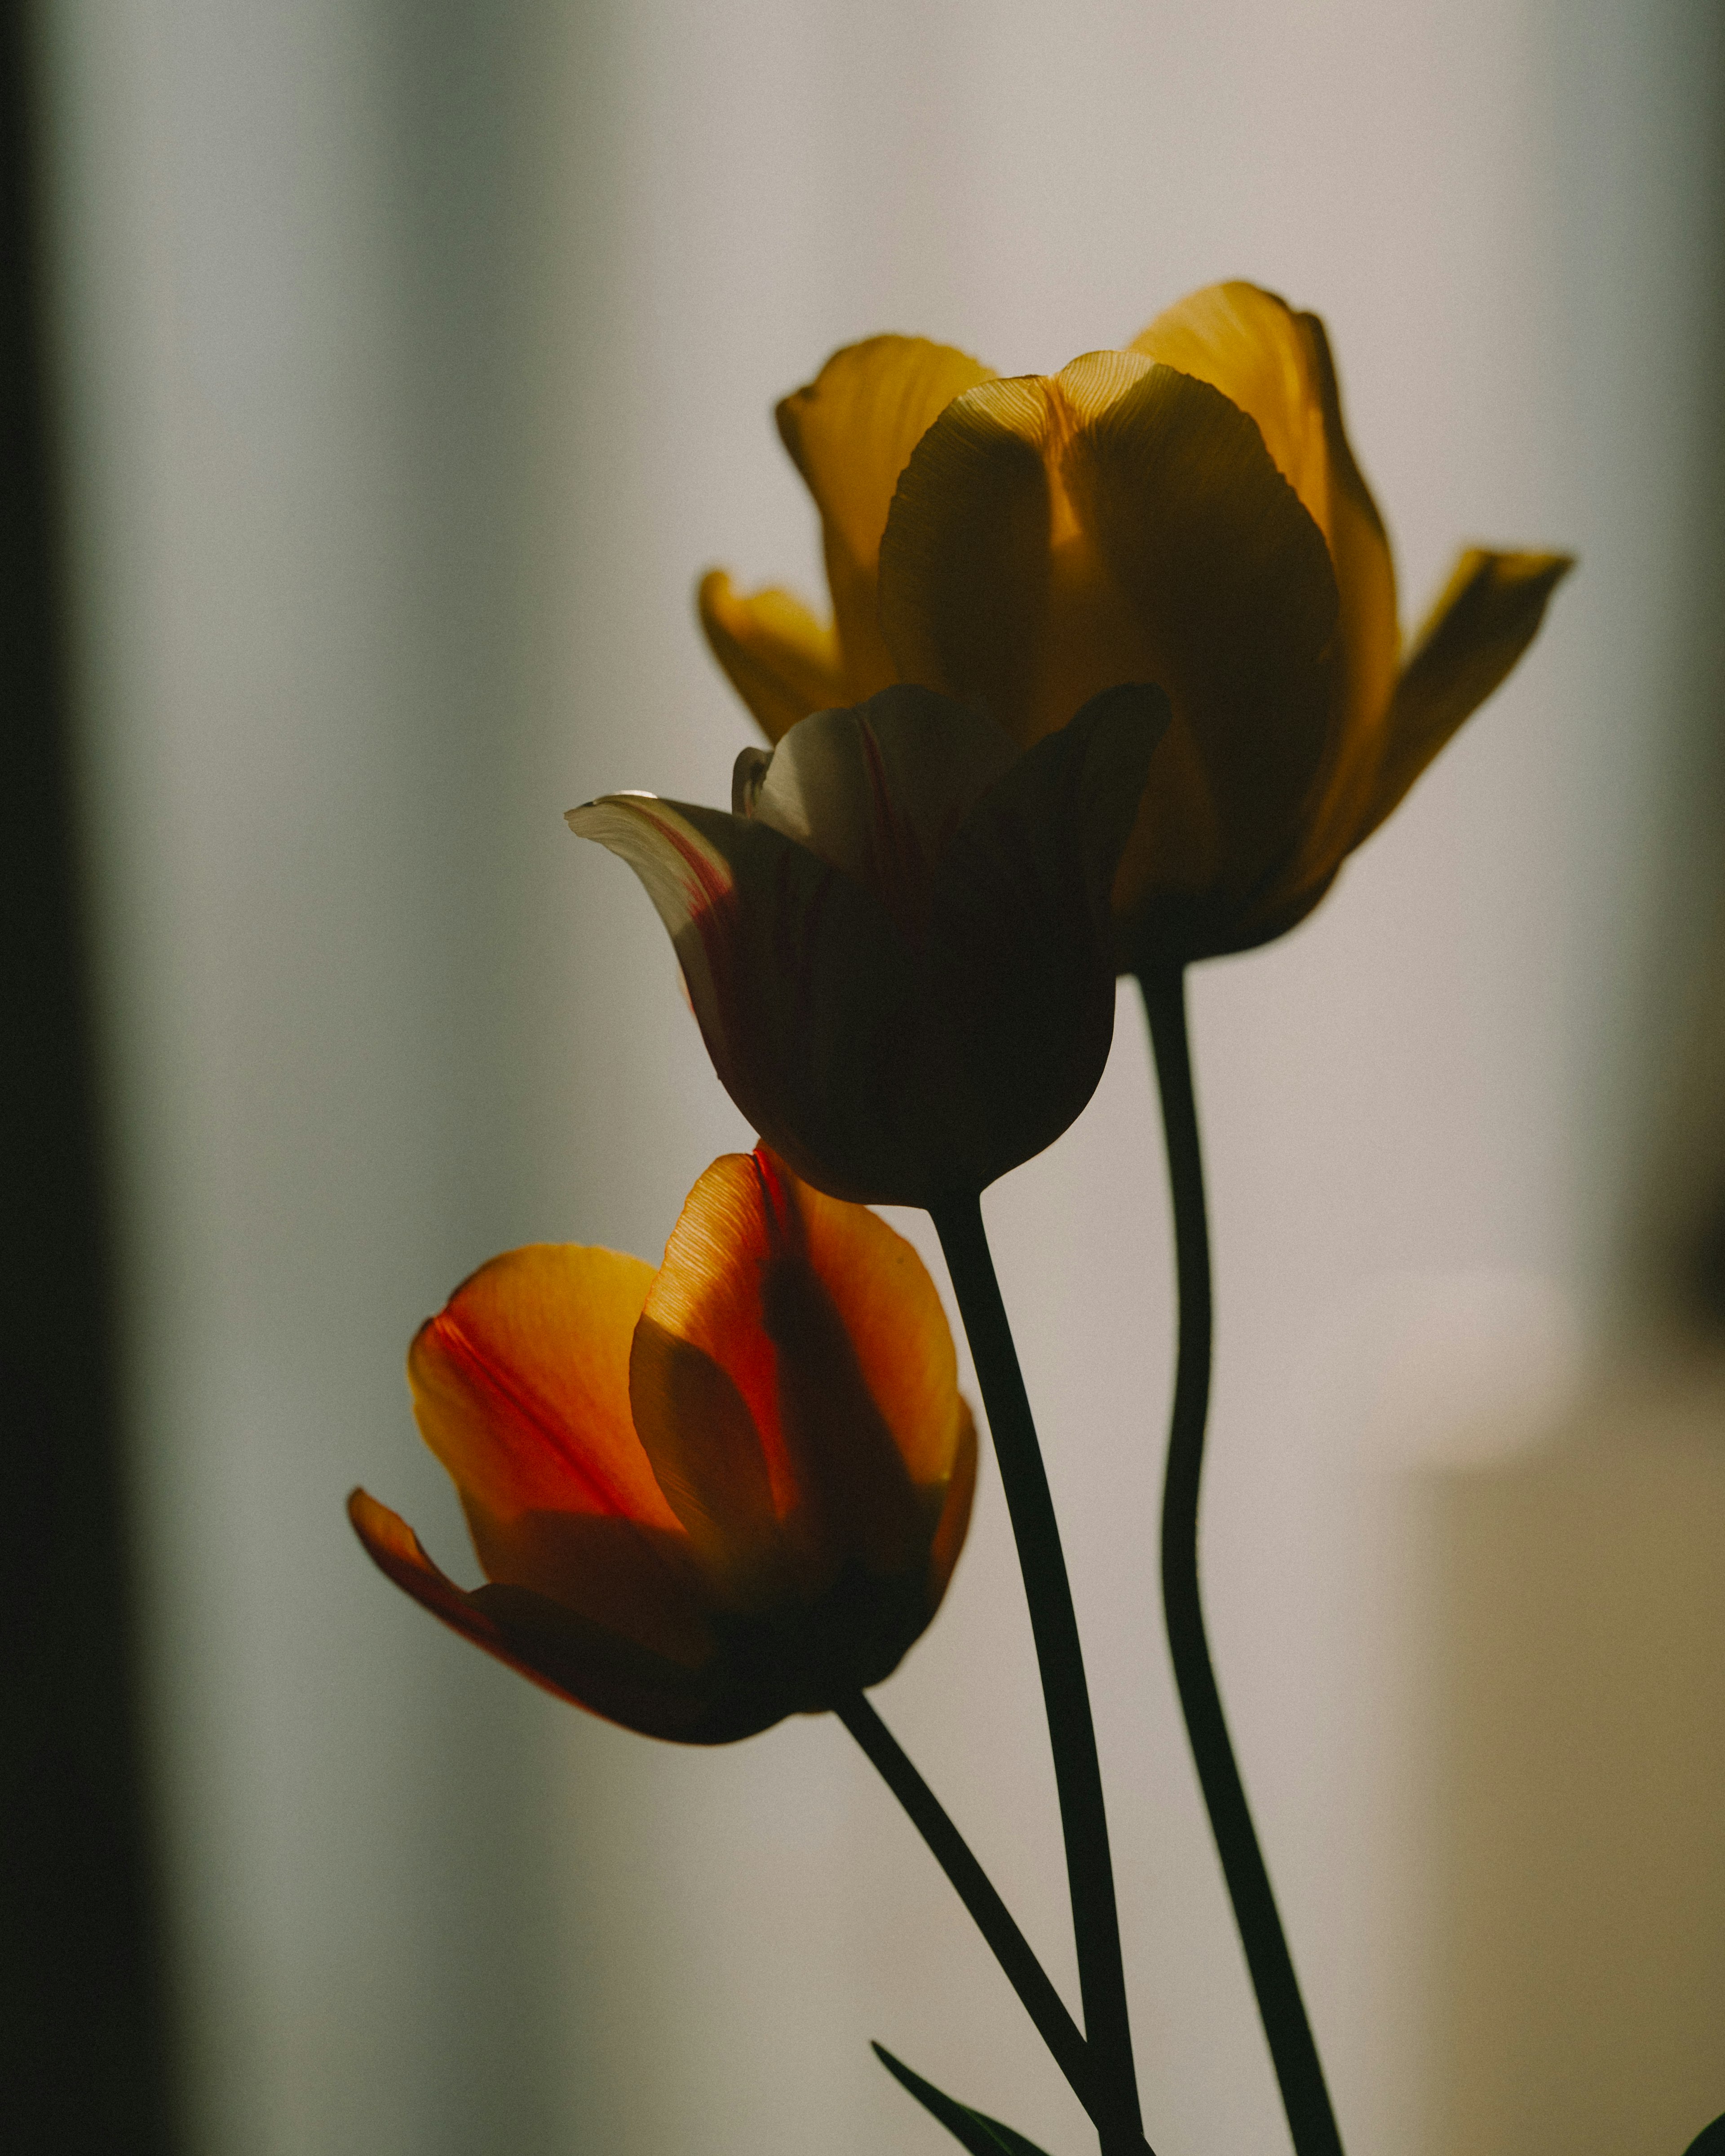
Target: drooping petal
[(1488, 614), (1276, 365), (850, 433), (1231, 585), (805, 992), (879, 790), (780, 660), (661, 1695)]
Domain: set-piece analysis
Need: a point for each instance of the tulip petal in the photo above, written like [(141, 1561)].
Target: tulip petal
[(1231, 581), (780, 660), (1276, 365), (711, 1463), (1252, 346), (1488, 614), (966, 560), (891, 1313), (521, 1385), (1364, 566), (954, 1521), (1036, 860), (850, 433), (878, 791), (568, 1653), (1021, 938), (805, 993), (521, 1388), (739, 1293)]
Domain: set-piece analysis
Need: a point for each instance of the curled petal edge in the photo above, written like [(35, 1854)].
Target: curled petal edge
[(563, 1654)]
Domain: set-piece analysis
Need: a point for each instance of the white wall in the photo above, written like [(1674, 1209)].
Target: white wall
[(418, 359)]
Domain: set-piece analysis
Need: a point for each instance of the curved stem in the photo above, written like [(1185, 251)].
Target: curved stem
[(976, 1890), (1089, 1871), (1305, 2098)]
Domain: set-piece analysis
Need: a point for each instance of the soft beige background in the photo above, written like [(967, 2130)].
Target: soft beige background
[(417, 357)]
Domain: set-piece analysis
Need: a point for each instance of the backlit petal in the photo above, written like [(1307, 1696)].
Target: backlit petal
[(521, 1388), (739, 1293), (780, 660), (521, 1384), (879, 790), (566, 1654), (850, 433), (1276, 365), (967, 562), (1250, 344), (1488, 614), (1365, 579), (1230, 582)]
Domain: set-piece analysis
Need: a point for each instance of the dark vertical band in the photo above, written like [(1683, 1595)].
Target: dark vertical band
[(81, 2027)]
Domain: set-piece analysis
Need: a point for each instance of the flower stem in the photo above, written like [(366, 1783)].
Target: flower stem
[(1089, 1871), (1305, 2099), (976, 1890)]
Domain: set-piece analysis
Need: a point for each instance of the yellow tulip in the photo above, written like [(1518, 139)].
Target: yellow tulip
[(899, 945), (707, 1497), (1186, 512)]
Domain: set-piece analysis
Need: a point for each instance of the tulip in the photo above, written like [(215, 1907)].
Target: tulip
[(703, 1498), (1187, 512), (898, 945)]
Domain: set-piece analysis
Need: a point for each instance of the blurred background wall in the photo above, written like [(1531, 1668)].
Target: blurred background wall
[(412, 360)]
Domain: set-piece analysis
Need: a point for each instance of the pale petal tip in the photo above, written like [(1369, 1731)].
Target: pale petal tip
[(582, 820)]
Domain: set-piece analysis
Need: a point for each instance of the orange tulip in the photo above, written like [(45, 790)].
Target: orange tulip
[(899, 945), (703, 1498), (1186, 512)]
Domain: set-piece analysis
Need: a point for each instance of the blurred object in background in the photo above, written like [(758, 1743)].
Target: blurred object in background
[(415, 362), (1580, 1879), (82, 2062)]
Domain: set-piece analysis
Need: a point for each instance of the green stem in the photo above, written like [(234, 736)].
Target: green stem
[(1053, 1624), (1305, 2098), (976, 1890)]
